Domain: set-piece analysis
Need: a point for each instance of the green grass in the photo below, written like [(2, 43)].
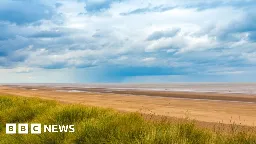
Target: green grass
[(97, 125)]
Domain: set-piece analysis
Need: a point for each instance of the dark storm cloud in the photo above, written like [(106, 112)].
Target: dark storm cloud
[(98, 6), (47, 34), (148, 10), (23, 12), (163, 34)]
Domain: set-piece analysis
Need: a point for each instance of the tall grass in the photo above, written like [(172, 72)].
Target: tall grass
[(95, 125)]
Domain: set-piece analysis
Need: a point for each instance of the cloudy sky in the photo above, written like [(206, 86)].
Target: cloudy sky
[(62, 41)]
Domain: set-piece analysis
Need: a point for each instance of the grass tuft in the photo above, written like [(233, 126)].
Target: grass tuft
[(95, 125)]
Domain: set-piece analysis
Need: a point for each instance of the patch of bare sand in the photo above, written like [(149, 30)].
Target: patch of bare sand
[(207, 111)]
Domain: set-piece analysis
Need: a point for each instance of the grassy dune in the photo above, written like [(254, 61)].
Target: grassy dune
[(97, 125)]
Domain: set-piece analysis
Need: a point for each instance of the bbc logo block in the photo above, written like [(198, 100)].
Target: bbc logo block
[(11, 128), (22, 128), (37, 128)]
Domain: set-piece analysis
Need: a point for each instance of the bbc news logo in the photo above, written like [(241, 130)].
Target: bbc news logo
[(37, 128)]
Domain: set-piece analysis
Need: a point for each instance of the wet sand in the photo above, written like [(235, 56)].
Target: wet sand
[(207, 107)]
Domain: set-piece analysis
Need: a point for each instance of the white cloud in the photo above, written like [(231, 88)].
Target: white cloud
[(149, 59), (22, 70), (251, 57)]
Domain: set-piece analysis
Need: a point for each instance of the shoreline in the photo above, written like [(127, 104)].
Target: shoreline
[(219, 88), (190, 95), (159, 103)]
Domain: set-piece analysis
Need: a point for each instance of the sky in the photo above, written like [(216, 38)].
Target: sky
[(127, 41)]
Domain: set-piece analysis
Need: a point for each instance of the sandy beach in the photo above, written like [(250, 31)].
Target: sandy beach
[(203, 106)]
